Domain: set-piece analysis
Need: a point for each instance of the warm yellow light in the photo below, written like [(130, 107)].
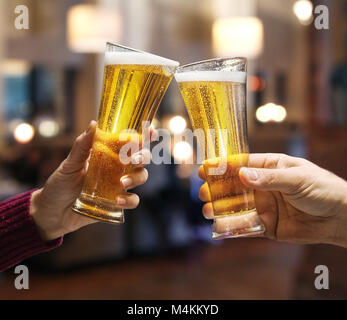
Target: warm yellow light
[(24, 133), (271, 112), (14, 67), (303, 11), (238, 36), (281, 114), (182, 151), (177, 124), (48, 128), (89, 27)]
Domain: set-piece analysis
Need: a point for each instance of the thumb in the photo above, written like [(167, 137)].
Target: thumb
[(79, 153), (283, 180)]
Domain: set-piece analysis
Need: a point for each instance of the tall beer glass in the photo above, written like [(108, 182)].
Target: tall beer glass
[(133, 86), (214, 92)]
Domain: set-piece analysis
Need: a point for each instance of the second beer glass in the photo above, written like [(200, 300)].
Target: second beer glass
[(214, 92), (133, 86)]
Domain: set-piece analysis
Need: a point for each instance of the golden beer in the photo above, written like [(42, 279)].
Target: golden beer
[(228, 194), (133, 86), (215, 97)]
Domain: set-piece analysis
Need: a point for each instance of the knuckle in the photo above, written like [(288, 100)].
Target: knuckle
[(304, 162), (291, 161), (272, 160), (283, 160)]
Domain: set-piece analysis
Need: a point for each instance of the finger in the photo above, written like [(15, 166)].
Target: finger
[(284, 180), (230, 186), (80, 150), (269, 220), (128, 201), (135, 178), (273, 160), (141, 158), (266, 160), (267, 208), (204, 193), (233, 203), (207, 210), (201, 173)]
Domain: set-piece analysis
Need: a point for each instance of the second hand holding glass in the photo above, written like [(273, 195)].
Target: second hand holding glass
[(214, 92)]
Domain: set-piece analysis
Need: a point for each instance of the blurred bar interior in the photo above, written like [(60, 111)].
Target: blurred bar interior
[(50, 84)]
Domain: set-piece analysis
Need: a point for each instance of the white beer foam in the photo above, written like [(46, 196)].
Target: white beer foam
[(137, 58), (193, 76)]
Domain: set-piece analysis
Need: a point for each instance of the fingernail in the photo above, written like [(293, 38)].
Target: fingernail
[(251, 174), (138, 159), (89, 129), (120, 201), (207, 212), (126, 182)]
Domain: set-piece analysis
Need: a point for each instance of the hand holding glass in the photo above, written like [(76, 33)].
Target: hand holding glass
[(133, 87), (214, 92)]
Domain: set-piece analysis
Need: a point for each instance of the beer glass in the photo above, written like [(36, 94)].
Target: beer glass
[(214, 92), (134, 84)]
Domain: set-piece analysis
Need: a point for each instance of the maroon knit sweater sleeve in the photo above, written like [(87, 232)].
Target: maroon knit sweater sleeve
[(19, 237)]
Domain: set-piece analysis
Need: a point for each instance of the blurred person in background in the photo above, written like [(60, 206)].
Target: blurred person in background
[(36, 221), (297, 201)]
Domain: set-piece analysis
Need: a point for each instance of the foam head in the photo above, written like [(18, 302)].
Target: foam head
[(137, 58), (194, 76)]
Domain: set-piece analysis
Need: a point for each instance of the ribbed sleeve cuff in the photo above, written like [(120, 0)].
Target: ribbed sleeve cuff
[(19, 237)]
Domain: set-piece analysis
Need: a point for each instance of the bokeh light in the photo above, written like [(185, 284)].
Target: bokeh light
[(271, 112), (255, 83), (48, 128), (238, 36), (177, 124), (182, 151), (24, 133), (90, 26), (303, 11)]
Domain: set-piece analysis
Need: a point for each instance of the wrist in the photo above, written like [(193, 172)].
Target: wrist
[(46, 228)]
